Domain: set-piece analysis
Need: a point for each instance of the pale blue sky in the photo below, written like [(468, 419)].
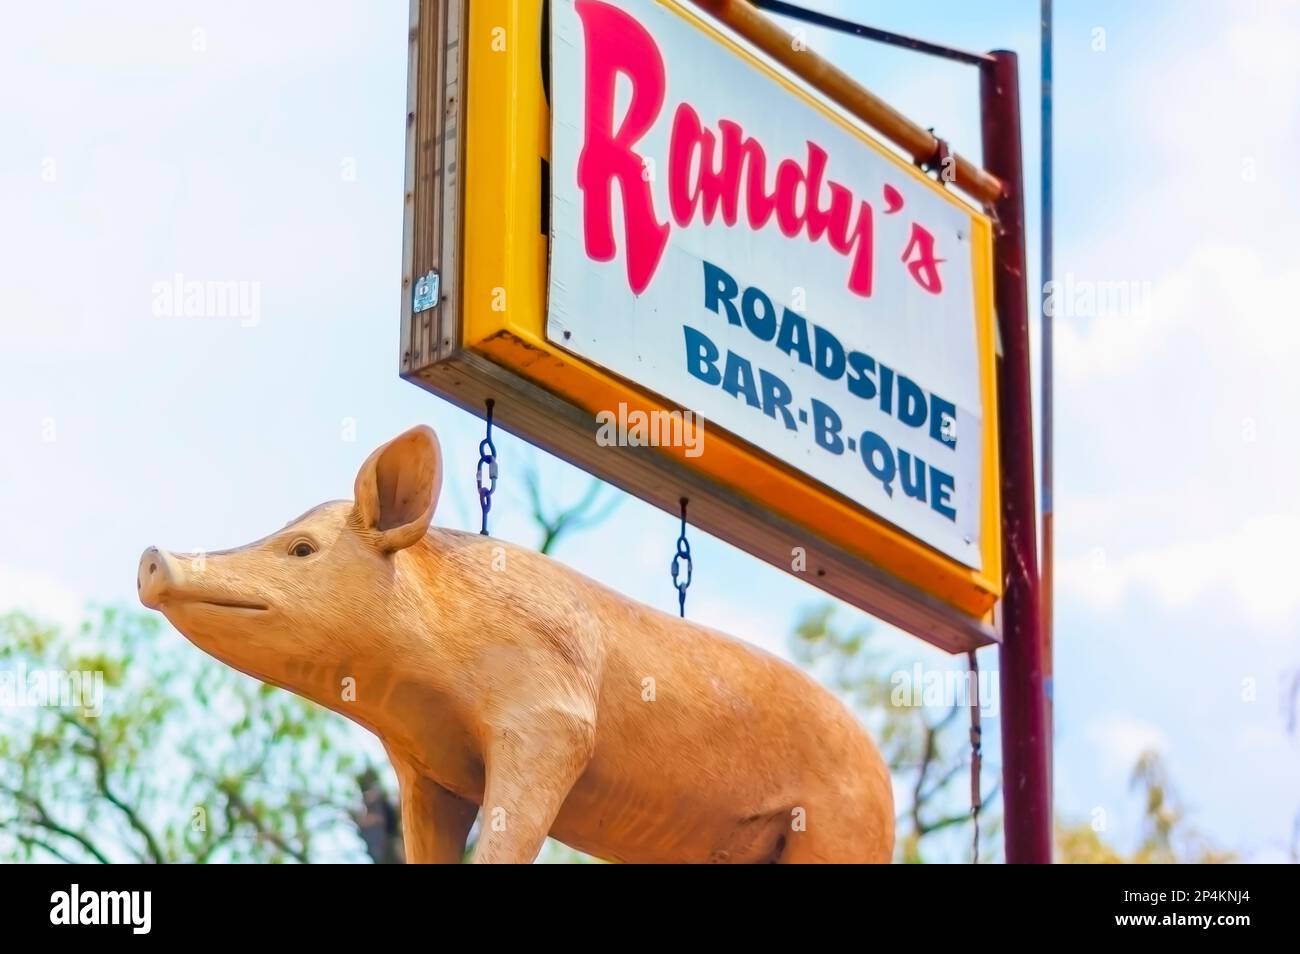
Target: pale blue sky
[(263, 142)]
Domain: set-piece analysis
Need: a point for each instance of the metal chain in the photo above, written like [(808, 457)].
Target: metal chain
[(683, 553), (487, 454), (976, 732)]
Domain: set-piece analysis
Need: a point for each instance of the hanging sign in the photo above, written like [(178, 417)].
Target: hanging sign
[(678, 267)]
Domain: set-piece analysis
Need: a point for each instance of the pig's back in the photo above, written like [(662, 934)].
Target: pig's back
[(698, 729)]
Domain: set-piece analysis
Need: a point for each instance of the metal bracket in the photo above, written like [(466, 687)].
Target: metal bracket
[(426, 293), (935, 164)]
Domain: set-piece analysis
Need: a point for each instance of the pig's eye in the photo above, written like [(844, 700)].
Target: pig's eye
[(302, 548)]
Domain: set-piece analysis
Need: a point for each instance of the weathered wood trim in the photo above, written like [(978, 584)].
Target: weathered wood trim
[(434, 160), (554, 425)]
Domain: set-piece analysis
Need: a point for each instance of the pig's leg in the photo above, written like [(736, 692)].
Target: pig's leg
[(435, 823), (529, 774)]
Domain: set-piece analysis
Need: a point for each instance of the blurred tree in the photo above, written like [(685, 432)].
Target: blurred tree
[(927, 748), (178, 758), (927, 751), (380, 820), (555, 522), (1166, 835), (1081, 844)]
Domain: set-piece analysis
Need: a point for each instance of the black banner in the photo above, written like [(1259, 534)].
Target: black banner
[(927, 904)]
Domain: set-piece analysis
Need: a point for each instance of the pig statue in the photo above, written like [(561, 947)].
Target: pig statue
[(499, 679)]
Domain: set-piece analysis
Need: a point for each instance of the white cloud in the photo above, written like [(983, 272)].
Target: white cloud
[(1123, 740), (1207, 218), (1176, 459), (1187, 410), (42, 597), (1254, 565), (1242, 304), (1089, 348)]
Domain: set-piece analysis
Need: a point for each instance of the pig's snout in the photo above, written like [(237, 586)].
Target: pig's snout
[(157, 572)]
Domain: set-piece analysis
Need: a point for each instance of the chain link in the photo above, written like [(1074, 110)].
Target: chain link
[(976, 756), (683, 553), (487, 455)]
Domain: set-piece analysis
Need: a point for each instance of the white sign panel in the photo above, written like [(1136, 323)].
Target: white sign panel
[(723, 243)]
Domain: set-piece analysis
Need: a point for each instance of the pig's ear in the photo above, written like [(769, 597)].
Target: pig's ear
[(397, 488)]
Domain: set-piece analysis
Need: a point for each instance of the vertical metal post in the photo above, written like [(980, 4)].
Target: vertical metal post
[(1046, 402), (1025, 742)]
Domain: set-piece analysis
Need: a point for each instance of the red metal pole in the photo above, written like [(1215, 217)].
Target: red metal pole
[(1025, 743), (1046, 401)]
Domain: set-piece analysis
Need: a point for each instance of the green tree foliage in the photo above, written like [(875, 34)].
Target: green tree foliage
[(1167, 836), (555, 522), (927, 748), (928, 754), (187, 759)]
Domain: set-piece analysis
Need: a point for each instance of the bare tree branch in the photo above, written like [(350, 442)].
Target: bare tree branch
[(242, 812), (957, 819), (43, 820), (580, 516), (96, 753), (31, 841)]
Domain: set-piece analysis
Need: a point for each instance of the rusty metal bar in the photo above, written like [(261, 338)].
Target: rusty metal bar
[(923, 146), (875, 34)]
